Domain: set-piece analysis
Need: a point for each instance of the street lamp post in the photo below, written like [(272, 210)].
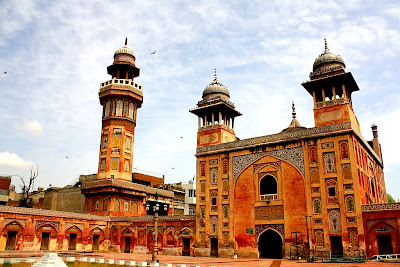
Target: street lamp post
[(156, 208)]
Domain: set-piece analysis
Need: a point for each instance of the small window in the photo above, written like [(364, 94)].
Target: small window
[(331, 191), (214, 201)]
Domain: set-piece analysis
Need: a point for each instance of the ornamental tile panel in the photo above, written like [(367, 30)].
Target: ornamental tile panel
[(293, 155)]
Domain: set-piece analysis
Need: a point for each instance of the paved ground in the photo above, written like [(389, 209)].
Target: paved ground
[(196, 260)]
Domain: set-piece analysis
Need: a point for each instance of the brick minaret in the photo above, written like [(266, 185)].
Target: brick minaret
[(120, 98)]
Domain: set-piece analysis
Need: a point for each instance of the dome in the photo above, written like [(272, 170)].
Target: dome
[(328, 61), (216, 90), (125, 50)]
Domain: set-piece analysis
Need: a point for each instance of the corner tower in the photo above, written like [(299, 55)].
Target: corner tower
[(216, 115), (331, 88), (120, 98)]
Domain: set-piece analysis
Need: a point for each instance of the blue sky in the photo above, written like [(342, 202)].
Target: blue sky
[(56, 53)]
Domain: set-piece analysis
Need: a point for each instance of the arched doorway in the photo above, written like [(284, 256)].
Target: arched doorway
[(270, 245)]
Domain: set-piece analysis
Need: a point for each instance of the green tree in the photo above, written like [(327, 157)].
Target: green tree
[(390, 198)]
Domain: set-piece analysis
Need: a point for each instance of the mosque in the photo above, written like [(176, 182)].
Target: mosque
[(308, 189)]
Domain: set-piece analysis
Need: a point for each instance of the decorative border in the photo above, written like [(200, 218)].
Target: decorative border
[(68, 225), (385, 206), (293, 155), (20, 221), (280, 228), (283, 136), (39, 224)]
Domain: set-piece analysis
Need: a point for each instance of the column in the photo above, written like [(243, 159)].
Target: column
[(212, 119), (220, 118), (334, 94), (323, 97), (315, 100)]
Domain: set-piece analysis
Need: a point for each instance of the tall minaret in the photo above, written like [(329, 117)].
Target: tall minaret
[(331, 88), (120, 98), (216, 114)]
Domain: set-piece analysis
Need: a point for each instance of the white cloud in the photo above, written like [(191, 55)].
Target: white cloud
[(31, 127), (8, 159)]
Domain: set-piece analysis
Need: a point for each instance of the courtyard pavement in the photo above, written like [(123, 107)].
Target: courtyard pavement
[(201, 261)]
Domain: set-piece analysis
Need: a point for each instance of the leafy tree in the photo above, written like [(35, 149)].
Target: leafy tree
[(27, 190), (390, 198)]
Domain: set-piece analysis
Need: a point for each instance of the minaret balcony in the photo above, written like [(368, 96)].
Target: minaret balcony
[(122, 84), (331, 102)]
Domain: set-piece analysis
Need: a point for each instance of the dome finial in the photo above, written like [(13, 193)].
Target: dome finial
[(293, 111), (326, 46), (126, 40), (215, 76)]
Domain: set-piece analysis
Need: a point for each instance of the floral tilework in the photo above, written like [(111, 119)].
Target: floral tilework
[(293, 155), (213, 161), (276, 137)]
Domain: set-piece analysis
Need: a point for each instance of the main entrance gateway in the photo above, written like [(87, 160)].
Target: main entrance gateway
[(270, 245)]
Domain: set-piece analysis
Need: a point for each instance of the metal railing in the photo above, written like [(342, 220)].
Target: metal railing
[(269, 197)]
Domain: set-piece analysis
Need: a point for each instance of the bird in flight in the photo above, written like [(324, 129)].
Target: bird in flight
[(66, 157), (154, 52), (5, 72)]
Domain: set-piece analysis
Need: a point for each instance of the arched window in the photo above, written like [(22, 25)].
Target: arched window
[(313, 154), (89, 205), (344, 150), (353, 238), (202, 168), (214, 225), (319, 238), (350, 203), (130, 114), (225, 185), (225, 166), (334, 221), (317, 206), (119, 108), (314, 176), (97, 204), (116, 205), (105, 204), (202, 186), (134, 207), (107, 110), (126, 205), (346, 170), (226, 212), (214, 175), (268, 188), (329, 162), (203, 212)]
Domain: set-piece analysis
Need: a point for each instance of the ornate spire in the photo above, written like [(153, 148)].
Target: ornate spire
[(326, 46), (293, 111), (126, 40), (215, 76), (294, 124)]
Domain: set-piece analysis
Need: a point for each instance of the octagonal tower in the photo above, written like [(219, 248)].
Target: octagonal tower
[(120, 98)]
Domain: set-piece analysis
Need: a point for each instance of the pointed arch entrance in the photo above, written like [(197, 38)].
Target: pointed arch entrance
[(270, 245)]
